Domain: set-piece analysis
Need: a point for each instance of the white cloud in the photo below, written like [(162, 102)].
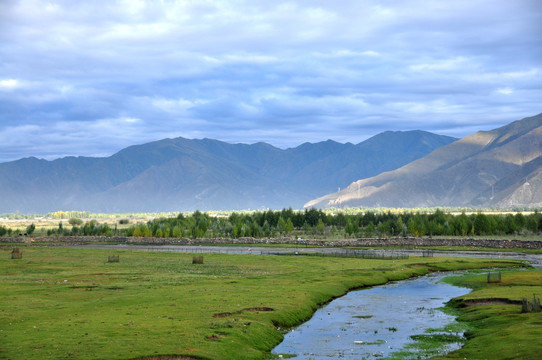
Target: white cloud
[(520, 74), (178, 106), (434, 107), (347, 53), (250, 59), (505, 91), (9, 84), (441, 65), (295, 70)]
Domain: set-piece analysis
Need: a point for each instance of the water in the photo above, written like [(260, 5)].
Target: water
[(373, 323)]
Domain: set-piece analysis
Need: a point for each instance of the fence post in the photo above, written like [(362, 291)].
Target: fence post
[(16, 254)]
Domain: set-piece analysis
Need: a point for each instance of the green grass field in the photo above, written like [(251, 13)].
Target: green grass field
[(497, 327), (61, 303)]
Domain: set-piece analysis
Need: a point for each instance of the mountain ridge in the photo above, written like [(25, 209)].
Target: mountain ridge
[(188, 174), (458, 174)]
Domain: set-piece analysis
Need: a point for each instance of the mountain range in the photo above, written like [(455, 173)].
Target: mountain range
[(182, 174), (501, 168)]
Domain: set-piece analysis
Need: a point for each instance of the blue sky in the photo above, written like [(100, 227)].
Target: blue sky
[(90, 78)]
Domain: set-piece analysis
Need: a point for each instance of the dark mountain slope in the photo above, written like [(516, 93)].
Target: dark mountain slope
[(182, 174)]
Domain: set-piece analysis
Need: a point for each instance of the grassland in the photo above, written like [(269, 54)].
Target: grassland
[(61, 303), (497, 327)]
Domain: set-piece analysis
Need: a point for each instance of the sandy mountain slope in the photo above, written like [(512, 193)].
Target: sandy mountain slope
[(498, 168)]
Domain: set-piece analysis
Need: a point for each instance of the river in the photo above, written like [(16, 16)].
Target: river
[(373, 323)]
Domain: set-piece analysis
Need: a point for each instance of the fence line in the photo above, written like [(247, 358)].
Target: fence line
[(364, 254)]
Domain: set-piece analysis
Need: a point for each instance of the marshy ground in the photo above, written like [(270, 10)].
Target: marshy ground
[(73, 303)]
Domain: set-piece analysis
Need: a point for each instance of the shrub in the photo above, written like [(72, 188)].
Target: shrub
[(75, 221)]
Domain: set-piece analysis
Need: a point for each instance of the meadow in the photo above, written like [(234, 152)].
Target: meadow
[(497, 325), (63, 303)]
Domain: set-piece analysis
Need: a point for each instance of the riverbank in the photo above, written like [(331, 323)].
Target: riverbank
[(499, 328), (63, 302)]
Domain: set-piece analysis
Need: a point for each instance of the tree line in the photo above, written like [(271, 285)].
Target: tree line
[(314, 222), (309, 222)]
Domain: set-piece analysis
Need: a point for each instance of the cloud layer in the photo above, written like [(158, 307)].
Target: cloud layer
[(89, 78)]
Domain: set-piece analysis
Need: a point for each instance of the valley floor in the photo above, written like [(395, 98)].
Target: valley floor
[(61, 302)]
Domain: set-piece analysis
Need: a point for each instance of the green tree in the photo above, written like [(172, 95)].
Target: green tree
[(369, 230), (142, 230), (75, 221), (462, 225), (281, 224), (401, 227), (30, 229), (75, 230), (383, 228), (520, 221), (320, 227), (159, 233), (351, 228), (340, 220), (416, 226), (177, 231), (289, 226), (481, 224)]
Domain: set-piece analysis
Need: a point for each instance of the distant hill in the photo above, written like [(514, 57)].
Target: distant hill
[(181, 174), (499, 168)]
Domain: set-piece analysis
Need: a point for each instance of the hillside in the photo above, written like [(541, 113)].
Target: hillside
[(182, 174), (498, 168)]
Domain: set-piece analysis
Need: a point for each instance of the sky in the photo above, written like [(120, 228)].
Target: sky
[(89, 78)]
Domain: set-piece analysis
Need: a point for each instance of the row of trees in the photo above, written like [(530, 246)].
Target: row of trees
[(78, 228), (310, 222), (316, 222)]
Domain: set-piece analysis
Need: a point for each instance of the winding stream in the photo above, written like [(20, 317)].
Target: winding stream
[(373, 323)]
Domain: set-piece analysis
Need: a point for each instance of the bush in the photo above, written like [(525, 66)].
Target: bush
[(75, 221)]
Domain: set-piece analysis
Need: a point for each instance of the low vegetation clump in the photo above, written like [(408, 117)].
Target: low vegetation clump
[(72, 303)]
